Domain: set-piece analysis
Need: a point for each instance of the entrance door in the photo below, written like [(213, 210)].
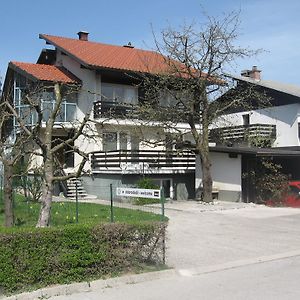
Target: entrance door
[(166, 185)]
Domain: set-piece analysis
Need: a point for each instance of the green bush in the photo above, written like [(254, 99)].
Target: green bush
[(268, 181), (32, 258), (146, 183)]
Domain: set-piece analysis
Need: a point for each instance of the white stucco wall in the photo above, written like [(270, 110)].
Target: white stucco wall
[(285, 117), (91, 83), (226, 172), (89, 93)]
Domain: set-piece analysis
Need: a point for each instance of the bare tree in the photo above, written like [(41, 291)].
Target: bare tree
[(11, 151), (46, 145), (49, 157), (189, 89)]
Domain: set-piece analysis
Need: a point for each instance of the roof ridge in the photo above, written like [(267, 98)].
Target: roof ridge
[(41, 35), (30, 63)]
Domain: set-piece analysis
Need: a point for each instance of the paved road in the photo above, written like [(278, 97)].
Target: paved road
[(274, 280), (223, 252)]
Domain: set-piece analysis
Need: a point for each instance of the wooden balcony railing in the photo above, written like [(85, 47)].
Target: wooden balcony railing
[(104, 109), (107, 109), (142, 161), (244, 133)]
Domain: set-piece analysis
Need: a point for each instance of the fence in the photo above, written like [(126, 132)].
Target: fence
[(85, 210), (1, 191)]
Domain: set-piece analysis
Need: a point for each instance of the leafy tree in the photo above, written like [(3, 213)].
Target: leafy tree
[(11, 151)]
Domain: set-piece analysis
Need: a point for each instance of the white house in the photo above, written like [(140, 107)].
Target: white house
[(103, 73), (276, 126), (105, 76)]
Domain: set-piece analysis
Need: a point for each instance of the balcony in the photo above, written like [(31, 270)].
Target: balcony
[(67, 112), (142, 161), (245, 134), (106, 109), (122, 110)]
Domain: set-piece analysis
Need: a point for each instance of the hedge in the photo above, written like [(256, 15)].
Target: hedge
[(33, 258)]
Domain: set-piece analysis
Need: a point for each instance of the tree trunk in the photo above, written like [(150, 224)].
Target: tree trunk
[(8, 194), (206, 177), (47, 188), (45, 211)]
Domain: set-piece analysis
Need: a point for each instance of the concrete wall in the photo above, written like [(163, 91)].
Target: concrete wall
[(99, 184), (285, 117), (226, 173), (89, 93)]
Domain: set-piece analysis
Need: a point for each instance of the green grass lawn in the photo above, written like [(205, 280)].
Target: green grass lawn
[(62, 213)]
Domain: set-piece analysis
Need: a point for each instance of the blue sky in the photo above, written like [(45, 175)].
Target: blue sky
[(269, 24)]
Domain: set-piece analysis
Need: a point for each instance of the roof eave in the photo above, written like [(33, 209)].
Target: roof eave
[(260, 84), (48, 41), (19, 70)]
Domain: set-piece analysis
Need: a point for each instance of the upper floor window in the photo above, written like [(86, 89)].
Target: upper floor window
[(172, 98), (112, 141), (119, 93), (20, 88), (27, 95)]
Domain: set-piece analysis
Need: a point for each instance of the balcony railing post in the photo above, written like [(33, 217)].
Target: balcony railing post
[(65, 106)]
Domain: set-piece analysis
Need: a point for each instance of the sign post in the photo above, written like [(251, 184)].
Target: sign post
[(152, 194), (111, 205), (162, 201), (76, 198)]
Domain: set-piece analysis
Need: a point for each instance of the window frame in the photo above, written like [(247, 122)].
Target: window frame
[(115, 98)]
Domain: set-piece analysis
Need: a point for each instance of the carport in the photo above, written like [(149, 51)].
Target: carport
[(287, 157)]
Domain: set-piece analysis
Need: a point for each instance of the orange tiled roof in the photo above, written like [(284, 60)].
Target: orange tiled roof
[(46, 72), (110, 56)]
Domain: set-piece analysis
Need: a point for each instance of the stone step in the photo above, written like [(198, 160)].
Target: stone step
[(75, 178), (74, 194), (72, 187), (78, 192), (72, 183)]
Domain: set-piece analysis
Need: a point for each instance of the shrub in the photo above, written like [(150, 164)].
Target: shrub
[(32, 258), (146, 183), (268, 181), (34, 186)]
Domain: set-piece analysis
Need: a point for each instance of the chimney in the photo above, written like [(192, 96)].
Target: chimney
[(129, 45), (253, 74), (83, 35)]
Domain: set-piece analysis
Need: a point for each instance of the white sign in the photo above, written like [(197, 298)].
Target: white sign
[(139, 193)]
